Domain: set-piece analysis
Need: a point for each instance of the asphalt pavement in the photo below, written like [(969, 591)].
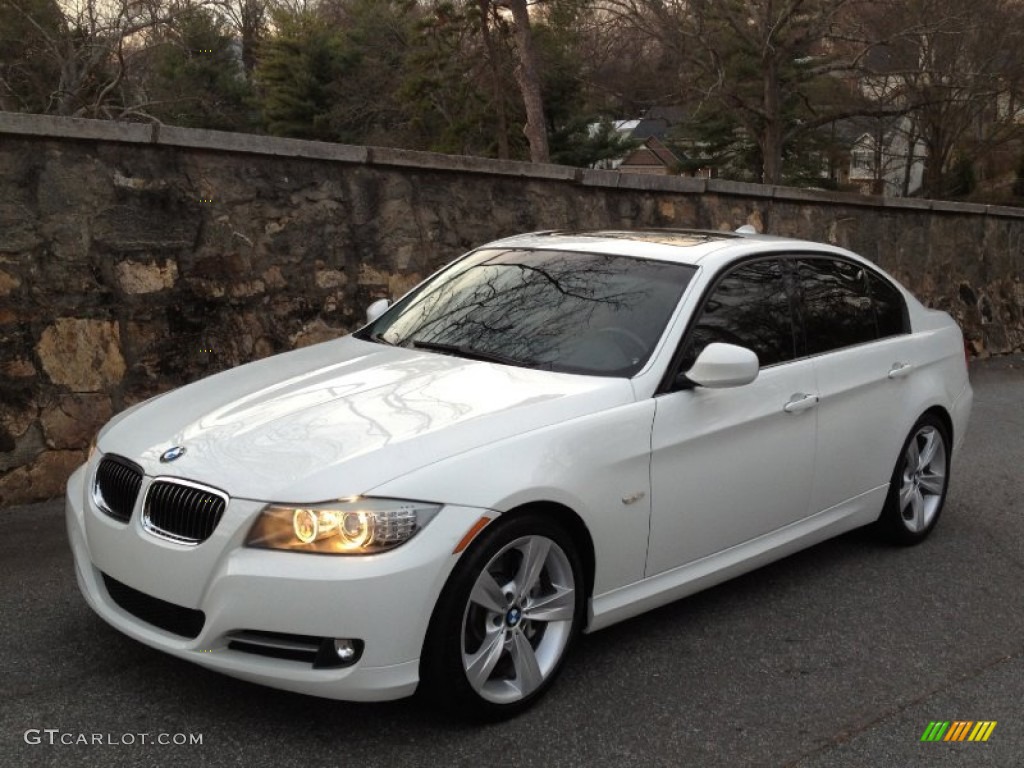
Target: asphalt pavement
[(838, 656)]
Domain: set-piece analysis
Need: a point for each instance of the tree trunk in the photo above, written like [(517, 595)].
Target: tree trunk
[(497, 93), (69, 84), (908, 166), (252, 15), (936, 156), (878, 182), (771, 135), (932, 183), (528, 75)]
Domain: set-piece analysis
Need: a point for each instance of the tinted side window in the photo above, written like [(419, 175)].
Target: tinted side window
[(890, 309), (835, 304), (749, 307)]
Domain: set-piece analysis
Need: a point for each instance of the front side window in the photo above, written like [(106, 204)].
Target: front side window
[(749, 307), (562, 311), (835, 304)]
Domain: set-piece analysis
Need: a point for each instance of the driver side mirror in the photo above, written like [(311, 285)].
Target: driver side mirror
[(723, 365), (375, 310)]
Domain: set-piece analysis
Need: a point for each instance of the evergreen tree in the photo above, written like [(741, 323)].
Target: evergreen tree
[(299, 68), (376, 34), (30, 31), (197, 79), (458, 88), (584, 143)]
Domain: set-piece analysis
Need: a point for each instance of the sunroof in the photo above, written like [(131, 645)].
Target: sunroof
[(678, 237)]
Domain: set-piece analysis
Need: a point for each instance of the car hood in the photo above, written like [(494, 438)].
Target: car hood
[(340, 418)]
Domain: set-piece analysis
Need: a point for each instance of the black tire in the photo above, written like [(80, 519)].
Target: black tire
[(916, 493), (462, 629)]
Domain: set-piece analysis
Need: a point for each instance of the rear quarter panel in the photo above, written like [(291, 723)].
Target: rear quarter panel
[(943, 366)]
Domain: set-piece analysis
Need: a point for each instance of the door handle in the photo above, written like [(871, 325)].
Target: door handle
[(800, 402), (899, 370)]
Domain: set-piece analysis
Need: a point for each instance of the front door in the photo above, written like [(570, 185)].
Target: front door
[(729, 465)]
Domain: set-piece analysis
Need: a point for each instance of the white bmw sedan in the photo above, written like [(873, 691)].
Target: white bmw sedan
[(552, 434)]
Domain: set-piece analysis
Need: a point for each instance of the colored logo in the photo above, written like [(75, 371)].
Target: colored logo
[(172, 454), (958, 730)]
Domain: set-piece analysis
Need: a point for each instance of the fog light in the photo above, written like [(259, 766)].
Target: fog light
[(345, 649), (338, 652)]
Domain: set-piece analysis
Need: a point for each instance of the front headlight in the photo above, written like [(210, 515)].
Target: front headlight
[(360, 526)]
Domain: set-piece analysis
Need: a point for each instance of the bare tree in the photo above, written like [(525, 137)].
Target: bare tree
[(807, 54), (959, 71), (487, 19), (91, 51), (249, 18), (779, 69), (529, 79)]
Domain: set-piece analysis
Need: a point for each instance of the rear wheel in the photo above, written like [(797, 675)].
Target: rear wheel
[(917, 491), (505, 620)]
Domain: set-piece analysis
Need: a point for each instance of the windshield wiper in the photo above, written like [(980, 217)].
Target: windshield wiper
[(472, 354)]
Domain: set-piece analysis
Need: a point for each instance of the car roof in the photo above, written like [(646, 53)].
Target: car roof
[(685, 246)]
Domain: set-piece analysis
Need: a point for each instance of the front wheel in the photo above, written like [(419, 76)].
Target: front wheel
[(505, 620), (917, 490)]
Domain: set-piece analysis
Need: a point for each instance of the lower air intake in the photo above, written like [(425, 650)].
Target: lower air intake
[(186, 622)]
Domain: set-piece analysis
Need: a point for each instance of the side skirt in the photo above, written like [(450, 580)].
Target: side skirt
[(625, 602)]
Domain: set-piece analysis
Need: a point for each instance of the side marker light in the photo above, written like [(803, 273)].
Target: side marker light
[(471, 534)]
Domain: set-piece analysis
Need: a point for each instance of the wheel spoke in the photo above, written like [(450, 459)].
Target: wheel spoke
[(535, 554), (528, 674), (559, 606), (932, 483), (906, 496), (480, 664), (927, 453), (913, 455), (916, 522), (487, 594)]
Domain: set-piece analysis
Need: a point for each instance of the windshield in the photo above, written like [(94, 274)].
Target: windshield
[(561, 311)]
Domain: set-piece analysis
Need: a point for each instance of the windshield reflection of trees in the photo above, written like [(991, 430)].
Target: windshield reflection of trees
[(545, 307)]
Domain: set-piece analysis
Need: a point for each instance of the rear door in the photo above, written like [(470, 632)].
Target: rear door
[(855, 329)]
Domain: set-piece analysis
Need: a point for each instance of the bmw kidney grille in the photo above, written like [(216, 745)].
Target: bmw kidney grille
[(116, 487), (182, 511)]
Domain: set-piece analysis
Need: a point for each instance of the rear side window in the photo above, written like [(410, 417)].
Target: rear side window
[(835, 305), (890, 308), (749, 307)]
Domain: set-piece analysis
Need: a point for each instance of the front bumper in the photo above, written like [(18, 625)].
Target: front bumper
[(383, 600)]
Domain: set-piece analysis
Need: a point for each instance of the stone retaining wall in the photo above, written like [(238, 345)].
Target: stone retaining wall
[(135, 258)]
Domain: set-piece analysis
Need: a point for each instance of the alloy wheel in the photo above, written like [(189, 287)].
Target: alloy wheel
[(923, 480), (518, 619)]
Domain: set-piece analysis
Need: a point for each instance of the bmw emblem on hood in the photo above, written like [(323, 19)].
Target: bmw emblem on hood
[(172, 454)]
